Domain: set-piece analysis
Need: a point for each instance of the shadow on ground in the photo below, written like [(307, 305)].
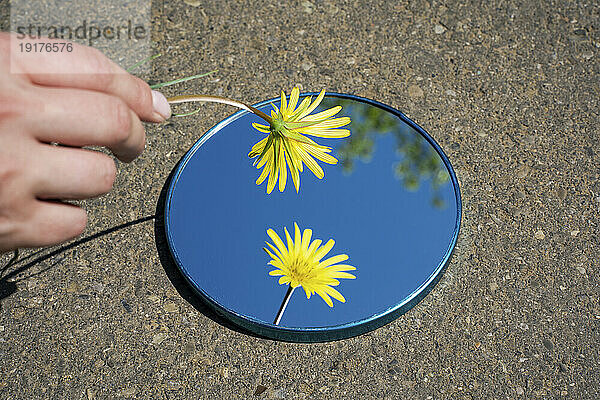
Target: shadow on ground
[(17, 265)]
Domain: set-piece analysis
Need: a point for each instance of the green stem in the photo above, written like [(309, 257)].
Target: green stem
[(222, 100), (187, 78), (284, 303), (145, 60)]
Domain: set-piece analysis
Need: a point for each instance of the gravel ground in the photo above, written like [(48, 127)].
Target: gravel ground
[(510, 91)]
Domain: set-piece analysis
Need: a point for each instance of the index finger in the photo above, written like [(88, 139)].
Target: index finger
[(87, 68)]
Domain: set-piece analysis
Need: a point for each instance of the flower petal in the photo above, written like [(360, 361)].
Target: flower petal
[(341, 267), (257, 148), (325, 297), (314, 105), (311, 163), (303, 106), (283, 105), (277, 241), (297, 239), (319, 154), (294, 154), (261, 128), (263, 175), (313, 247), (278, 255), (327, 133), (282, 167), (294, 171), (325, 249), (284, 279), (294, 96), (274, 109), (274, 170), (290, 242), (291, 160), (335, 294), (306, 236), (341, 275), (323, 115), (333, 260), (268, 147), (307, 292)]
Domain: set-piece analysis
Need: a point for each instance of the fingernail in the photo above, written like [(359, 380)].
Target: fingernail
[(160, 104)]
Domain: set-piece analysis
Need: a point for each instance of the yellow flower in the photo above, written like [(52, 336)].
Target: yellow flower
[(299, 264), (286, 144)]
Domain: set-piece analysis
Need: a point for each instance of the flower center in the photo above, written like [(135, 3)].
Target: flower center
[(300, 271)]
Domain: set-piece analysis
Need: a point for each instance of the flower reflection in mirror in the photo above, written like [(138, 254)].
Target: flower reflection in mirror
[(299, 264), (286, 144)]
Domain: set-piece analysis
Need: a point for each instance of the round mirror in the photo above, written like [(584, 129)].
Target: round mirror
[(265, 261)]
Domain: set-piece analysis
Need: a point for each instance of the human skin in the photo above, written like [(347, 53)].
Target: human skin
[(84, 100)]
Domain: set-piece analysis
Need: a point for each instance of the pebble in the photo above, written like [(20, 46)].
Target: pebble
[(493, 286), (522, 171), (524, 326), (451, 92), (128, 392), (193, 3), (35, 301), (189, 347), (308, 7), (73, 288), (540, 235), (587, 55), (415, 92), (306, 66), (126, 306), (97, 287), (224, 372), (520, 391), (159, 338), (260, 389), (170, 307), (439, 29), (581, 270), (154, 298), (574, 233), (547, 344), (562, 368)]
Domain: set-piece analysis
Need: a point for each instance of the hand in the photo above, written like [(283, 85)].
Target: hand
[(84, 100)]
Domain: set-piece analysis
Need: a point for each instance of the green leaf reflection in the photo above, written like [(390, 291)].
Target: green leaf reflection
[(417, 160)]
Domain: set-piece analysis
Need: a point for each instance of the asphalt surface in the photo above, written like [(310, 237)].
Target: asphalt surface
[(511, 93)]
